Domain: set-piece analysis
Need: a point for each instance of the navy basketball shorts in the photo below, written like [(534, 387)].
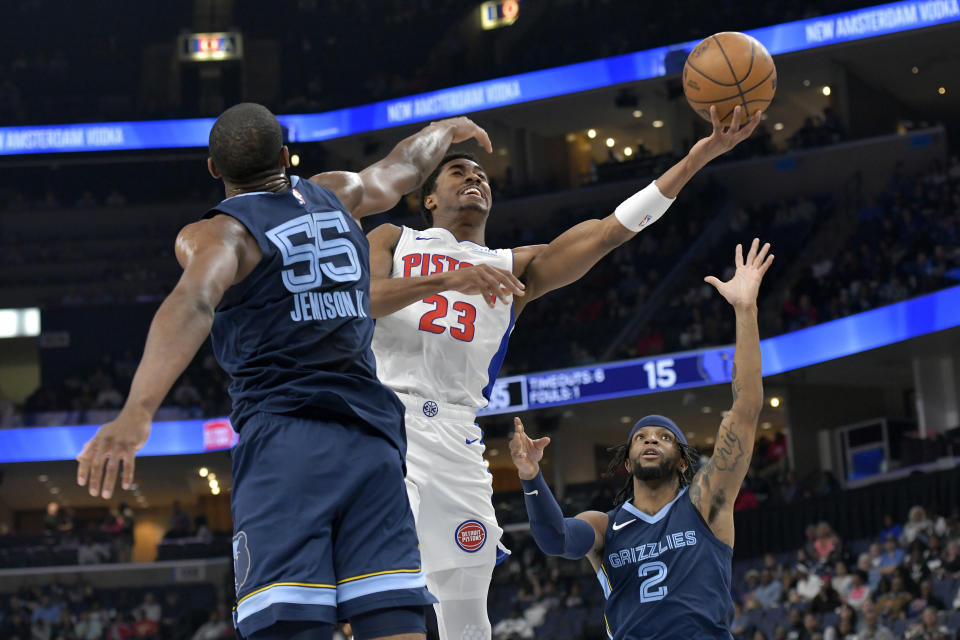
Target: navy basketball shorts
[(322, 526)]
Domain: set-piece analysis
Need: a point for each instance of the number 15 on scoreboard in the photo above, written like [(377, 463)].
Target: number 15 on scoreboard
[(660, 373)]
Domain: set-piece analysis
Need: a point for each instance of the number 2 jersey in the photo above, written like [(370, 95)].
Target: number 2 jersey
[(447, 347), (666, 575), (295, 334)]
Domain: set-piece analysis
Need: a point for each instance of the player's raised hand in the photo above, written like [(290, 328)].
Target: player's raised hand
[(114, 442), (526, 453), (722, 139), (741, 290), (488, 281), (464, 128)]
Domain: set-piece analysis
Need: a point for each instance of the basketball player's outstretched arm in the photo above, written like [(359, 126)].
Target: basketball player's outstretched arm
[(571, 538), (215, 254), (716, 484), (380, 186), (574, 252)]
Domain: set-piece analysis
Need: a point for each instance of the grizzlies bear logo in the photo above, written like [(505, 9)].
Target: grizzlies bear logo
[(241, 560)]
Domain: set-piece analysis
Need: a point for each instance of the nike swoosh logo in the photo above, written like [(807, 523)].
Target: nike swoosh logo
[(621, 525), (426, 238), (471, 441), (535, 492)]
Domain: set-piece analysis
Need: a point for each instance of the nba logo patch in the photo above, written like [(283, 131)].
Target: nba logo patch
[(241, 559), (645, 220), (296, 194), (430, 408), (470, 536)]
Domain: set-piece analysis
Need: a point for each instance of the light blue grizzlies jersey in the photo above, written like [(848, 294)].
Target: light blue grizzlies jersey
[(665, 575)]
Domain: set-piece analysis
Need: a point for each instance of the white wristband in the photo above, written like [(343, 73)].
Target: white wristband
[(643, 208)]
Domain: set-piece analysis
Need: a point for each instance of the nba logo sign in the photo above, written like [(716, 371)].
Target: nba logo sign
[(296, 194), (471, 535)]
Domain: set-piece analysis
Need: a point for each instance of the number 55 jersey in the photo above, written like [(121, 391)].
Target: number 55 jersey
[(665, 575), (442, 355), (295, 334)]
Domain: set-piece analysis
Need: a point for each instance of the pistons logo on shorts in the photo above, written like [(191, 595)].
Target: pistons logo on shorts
[(471, 535), (430, 408)]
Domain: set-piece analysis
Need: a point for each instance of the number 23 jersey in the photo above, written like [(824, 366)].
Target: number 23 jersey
[(447, 347), (665, 575)]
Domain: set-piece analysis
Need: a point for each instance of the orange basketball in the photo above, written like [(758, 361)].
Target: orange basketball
[(729, 69)]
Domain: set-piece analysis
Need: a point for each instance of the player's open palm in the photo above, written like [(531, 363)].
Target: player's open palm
[(526, 452), (101, 457), (741, 290)]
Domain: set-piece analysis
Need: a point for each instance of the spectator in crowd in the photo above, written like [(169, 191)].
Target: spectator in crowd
[(120, 628), (143, 627), (46, 611), (172, 615), (871, 629), (843, 630), (767, 593), (892, 557), (807, 587), (827, 546), (918, 526), (842, 580), (827, 599), (950, 564), (150, 608), (215, 628), (928, 628), (926, 599), (741, 625), (860, 591), (88, 627), (893, 604), (890, 528), (515, 627), (915, 564)]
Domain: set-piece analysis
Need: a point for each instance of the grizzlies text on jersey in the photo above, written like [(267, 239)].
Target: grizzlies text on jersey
[(665, 575)]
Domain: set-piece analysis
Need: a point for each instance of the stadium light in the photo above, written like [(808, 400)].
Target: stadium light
[(19, 323)]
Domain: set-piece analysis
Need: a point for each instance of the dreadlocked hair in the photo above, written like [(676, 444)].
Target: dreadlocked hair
[(688, 454)]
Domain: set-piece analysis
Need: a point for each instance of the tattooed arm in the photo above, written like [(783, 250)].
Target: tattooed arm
[(717, 483)]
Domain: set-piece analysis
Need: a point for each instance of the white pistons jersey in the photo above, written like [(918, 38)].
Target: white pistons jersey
[(447, 347)]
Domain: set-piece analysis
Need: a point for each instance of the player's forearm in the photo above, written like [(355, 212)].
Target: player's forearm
[(420, 154), (179, 327), (389, 295), (747, 378), (570, 538), (574, 252), (677, 176)]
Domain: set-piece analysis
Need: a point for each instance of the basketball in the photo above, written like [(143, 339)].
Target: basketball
[(729, 69)]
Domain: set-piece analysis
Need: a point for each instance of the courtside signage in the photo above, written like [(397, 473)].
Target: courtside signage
[(815, 345), (548, 83)]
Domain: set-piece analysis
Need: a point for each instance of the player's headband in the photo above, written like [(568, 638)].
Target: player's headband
[(657, 421)]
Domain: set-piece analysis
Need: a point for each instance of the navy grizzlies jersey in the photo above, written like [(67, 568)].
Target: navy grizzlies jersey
[(295, 334), (665, 575)]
